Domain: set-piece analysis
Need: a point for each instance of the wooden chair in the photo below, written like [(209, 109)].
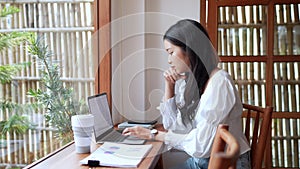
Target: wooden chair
[(220, 159), (261, 131)]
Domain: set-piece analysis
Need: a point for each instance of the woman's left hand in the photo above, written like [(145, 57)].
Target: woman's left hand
[(138, 131)]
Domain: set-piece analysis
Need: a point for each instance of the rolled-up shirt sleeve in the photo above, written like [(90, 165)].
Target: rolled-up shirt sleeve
[(168, 111), (171, 116), (214, 108)]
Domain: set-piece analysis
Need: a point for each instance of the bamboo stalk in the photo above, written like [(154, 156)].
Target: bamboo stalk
[(1, 7), (73, 40), (84, 50), (286, 95), (65, 40), (296, 122), (85, 64), (287, 123), (280, 104), (38, 15), (295, 128), (230, 38), (237, 46), (229, 15), (24, 14), (85, 56), (282, 39), (244, 52), (60, 15), (70, 21), (69, 55), (15, 147), (58, 52), (220, 33), (293, 98), (22, 153), (41, 15), (29, 15), (92, 67), (281, 18), (223, 10), (278, 129), (91, 9), (235, 14), (80, 58), (282, 50), (219, 43), (224, 36), (85, 16), (264, 30), (251, 66), (276, 41), (24, 150), (258, 38), (35, 14), (258, 42), (26, 85), (289, 31), (54, 36)]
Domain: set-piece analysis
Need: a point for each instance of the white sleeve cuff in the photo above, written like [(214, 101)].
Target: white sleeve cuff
[(174, 140), (168, 107)]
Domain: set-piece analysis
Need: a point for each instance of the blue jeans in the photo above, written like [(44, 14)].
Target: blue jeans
[(202, 163)]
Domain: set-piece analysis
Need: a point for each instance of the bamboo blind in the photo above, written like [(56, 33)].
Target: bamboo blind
[(242, 31), (66, 26), (286, 85)]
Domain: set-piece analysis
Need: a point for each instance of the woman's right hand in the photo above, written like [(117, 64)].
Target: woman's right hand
[(171, 76)]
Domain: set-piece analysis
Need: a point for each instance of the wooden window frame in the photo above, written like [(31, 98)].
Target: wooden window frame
[(212, 24), (102, 51), (210, 20)]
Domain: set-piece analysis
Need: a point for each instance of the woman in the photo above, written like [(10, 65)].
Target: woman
[(198, 97)]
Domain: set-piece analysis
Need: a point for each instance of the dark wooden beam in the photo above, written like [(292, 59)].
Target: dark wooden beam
[(102, 45)]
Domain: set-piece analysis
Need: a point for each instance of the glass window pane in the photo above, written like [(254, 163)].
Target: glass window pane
[(287, 30), (286, 86), (242, 31)]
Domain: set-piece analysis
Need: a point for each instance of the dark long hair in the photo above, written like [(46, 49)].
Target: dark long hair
[(194, 41)]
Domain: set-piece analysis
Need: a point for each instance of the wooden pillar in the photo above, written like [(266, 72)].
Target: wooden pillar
[(102, 47)]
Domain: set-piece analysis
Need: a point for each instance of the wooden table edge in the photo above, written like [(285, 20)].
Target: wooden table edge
[(49, 155)]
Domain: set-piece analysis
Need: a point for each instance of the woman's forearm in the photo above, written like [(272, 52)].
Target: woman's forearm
[(169, 91)]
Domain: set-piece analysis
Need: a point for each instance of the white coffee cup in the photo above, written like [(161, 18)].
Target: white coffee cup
[(82, 126)]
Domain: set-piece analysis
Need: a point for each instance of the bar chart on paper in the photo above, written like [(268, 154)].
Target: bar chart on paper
[(118, 155)]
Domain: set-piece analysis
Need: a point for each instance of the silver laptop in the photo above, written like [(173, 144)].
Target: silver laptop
[(103, 126)]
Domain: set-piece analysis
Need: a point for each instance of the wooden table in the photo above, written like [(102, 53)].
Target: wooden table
[(66, 157)]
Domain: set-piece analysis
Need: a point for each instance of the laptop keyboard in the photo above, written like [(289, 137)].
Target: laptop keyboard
[(114, 137)]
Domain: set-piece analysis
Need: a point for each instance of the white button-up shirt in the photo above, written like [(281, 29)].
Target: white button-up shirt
[(219, 104)]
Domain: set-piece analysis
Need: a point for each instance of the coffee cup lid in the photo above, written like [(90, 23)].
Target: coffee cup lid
[(82, 120)]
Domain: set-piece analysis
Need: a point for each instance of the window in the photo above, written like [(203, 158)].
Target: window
[(258, 44), (65, 27)]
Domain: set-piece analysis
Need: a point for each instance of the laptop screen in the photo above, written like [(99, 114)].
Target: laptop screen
[(99, 107)]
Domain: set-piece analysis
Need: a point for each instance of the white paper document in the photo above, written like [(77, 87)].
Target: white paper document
[(119, 155)]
